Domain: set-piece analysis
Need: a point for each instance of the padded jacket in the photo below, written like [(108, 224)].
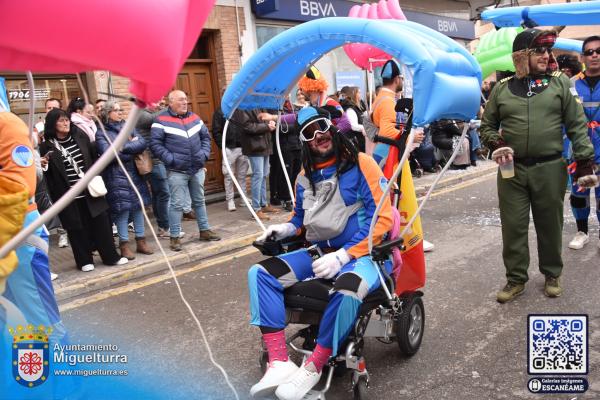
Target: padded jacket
[(256, 138), (181, 142), (120, 195)]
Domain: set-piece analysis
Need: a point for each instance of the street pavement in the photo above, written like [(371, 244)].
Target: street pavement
[(473, 347), (237, 230)]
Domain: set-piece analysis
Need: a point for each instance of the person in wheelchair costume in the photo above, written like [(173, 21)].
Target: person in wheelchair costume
[(336, 196)]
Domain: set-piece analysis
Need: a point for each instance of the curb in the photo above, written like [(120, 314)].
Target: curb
[(453, 180), (122, 275), (190, 253)]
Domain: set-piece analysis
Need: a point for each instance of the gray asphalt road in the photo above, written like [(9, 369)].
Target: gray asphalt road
[(473, 348)]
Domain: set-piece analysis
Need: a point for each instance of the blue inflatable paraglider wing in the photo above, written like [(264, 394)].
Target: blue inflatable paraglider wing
[(569, 44), (580, 13), (440, 65)]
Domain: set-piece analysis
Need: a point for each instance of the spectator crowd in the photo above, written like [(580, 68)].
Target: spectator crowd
[(166, 156)]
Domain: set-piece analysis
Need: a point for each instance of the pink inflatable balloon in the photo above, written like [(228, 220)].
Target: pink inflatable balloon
[(395, 10), (354, 11), (364, 11), (145, 40), (383, 11), (361, 53), (349, 49), (373, 13)]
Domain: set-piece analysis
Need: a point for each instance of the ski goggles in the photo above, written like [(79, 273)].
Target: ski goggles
[(318, 126)]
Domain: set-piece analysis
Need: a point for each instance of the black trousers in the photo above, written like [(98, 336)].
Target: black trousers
[(96, 233), (277, 185)]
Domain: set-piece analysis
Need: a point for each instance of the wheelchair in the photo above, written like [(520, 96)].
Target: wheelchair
[(400, 319)]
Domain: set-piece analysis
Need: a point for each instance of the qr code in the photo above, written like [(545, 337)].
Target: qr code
[(557, 344)]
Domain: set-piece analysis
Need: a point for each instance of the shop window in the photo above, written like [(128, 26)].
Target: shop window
[(265, 33), (62, 87)]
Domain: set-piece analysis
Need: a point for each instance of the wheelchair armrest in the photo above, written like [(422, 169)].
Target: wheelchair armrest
[(270, 247), (382, 251)]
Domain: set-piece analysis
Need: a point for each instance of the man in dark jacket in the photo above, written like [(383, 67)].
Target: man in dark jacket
[(233, 149), (256, 144), (181, 141)]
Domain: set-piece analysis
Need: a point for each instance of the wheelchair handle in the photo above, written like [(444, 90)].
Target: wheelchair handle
[(382, 251)]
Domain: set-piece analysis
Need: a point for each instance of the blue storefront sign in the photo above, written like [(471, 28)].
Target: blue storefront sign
[(262, 7), (351, 78), (306, 10)]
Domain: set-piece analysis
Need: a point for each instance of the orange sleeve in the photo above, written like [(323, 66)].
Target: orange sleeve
[(384, 116), (16, 151), (371, 190)]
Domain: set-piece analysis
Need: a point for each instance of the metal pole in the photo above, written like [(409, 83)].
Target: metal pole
[(68, 197)]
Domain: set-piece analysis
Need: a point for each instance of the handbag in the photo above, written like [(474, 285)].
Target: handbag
[(96, 186), (143, 162)]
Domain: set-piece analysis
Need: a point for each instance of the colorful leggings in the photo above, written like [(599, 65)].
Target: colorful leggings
[(268, 279)]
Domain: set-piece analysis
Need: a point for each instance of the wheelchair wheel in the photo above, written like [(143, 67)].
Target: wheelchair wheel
[(360, 389), (410, 326)]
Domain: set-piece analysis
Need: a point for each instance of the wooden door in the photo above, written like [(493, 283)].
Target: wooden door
[(195, 79)]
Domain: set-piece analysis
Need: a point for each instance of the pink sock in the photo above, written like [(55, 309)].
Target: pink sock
[(319, 357), (275, 343)]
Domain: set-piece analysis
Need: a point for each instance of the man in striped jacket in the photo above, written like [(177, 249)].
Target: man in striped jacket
[(180, 139)]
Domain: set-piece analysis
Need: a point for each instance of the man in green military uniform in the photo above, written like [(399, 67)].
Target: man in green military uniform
[(522, 123)]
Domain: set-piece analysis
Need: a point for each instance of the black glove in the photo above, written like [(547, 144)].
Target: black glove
[(585, 174), (583, 168)]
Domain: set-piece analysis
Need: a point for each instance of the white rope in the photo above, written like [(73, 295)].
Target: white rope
[(281, 161), (31, 106), (171, 270), (79, 187), (234, 179), (162, 250), (437, 179)]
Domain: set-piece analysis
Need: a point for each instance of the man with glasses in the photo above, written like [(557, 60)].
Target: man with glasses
[(180, 139), (523, 123), (588, 89), (336, 196)]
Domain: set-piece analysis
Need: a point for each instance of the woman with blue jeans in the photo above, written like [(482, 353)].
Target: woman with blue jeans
[(122, 199)]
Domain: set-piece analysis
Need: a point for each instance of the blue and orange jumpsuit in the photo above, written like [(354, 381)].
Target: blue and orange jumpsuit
[(29, 286), (268, 279)]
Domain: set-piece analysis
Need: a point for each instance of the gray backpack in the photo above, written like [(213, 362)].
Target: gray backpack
[(372, 130), (325, 213)]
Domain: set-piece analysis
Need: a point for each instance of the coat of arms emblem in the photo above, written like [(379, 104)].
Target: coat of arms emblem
[(30, 354)]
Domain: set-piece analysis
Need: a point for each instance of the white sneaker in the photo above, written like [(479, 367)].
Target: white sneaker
[(231, 205), (53, 276), (428, 246), (122, 261), (580, 240), (299, 384), (277, 373), (87, 267), (63, 240)]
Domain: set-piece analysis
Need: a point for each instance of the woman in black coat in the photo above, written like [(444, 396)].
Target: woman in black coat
[(85, 219)]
